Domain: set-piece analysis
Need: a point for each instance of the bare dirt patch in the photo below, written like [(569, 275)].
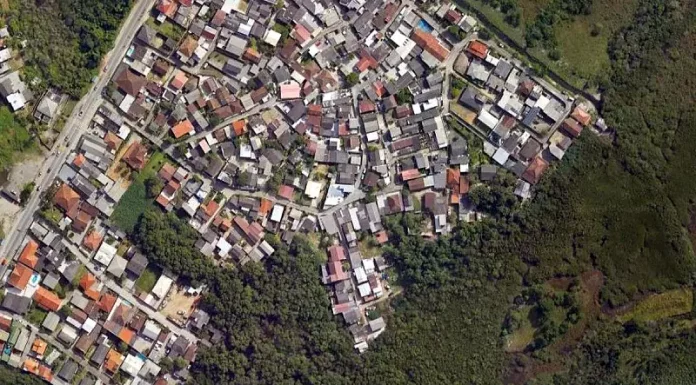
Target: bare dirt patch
[(179, 301)]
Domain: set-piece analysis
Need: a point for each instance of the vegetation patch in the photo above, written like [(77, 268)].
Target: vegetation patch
[(65, 39), (659, 306), (137, 198), (14, 137), (147, 280)]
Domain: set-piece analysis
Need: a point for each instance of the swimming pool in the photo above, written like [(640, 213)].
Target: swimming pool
[(422, 24), (35, 279)]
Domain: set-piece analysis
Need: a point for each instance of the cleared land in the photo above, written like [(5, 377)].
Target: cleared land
[(660, 306)]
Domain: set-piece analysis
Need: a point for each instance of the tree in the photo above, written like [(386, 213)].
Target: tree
[(26, 192), (154, 186), (352, 79), (180, 363)]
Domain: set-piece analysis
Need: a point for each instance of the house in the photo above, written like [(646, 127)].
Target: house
[(20, 276), (15, 92), (477, 49), (430, 44), (535, 170), (66, 198), (16, 303), (47, 299), (136, 156), (185, 127), (571, 127), (130, 82), (47, 108), (137, 264), (28, 254), (581, 116)]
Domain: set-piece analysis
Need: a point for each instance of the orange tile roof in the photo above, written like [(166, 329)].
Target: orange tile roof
[(581, 116), (20, 276), (113, 361), (179, 80), (88, 284), (454, 198), (45, 373), (464, 185), (32, 366), (126, 335), (210, 208), (28, 256), (66, 198), (79, 160), (182, 128), (39, 346), (106, 302), (429, 43), (239, 127), (92, 240), (478, 49), (382, 237), (453, 176), (47, 299), (265, 206)]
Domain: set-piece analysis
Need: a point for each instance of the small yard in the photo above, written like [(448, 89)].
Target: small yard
[(148, 279), (166, 29), (36, 316)]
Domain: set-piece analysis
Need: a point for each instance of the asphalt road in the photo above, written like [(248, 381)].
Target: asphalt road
[(75, 126)]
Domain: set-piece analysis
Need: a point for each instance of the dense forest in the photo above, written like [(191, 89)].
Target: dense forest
[(65, 39)]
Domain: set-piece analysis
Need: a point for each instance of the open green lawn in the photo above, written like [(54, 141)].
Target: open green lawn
[(135, 201), (148, 279), (584, 55)]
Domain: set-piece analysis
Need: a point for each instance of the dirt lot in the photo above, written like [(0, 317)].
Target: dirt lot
[(119, 171), (8, 213), (178, 301)]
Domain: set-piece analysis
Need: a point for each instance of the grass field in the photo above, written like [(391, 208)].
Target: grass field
[(522, 336), (660, 306), (135, 201), (584, 55), (148, 279)]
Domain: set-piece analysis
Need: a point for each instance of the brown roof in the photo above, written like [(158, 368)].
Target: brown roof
[(136, 156), (535, 170), (112, 140), (130, 82), (188, 46), (66, 198), (572, 127)]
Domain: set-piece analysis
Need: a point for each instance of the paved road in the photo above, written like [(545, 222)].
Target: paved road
[(125, 294), (75, 126), (60, 346), (253, 111)]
